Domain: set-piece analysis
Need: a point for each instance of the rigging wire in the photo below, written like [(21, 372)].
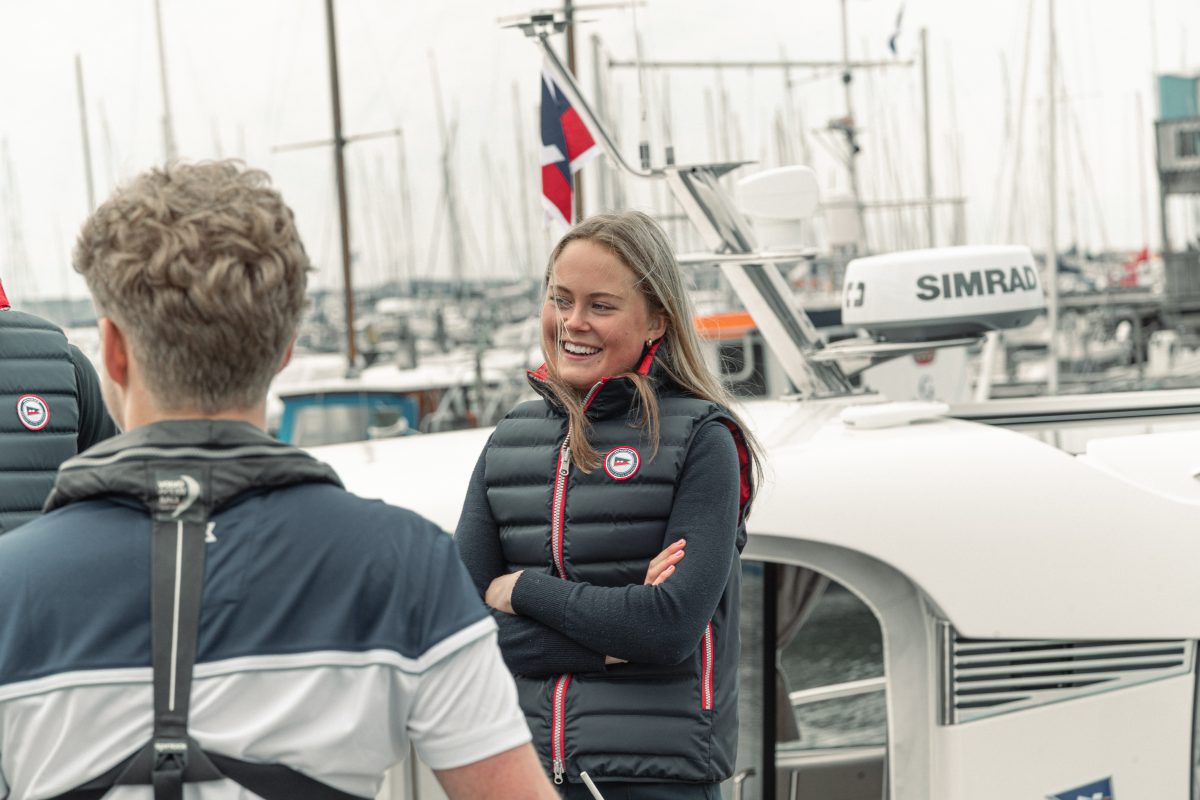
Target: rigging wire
[(1018, 152)]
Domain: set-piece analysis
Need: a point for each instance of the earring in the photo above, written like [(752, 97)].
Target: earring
[(649, 342)]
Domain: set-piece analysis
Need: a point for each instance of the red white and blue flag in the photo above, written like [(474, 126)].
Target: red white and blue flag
[(566, 146)]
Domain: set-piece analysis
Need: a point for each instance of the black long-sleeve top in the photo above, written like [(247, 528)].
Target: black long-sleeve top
[(569, 626)]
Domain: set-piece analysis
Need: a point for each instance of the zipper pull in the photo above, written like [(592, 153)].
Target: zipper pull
[(566, 462), (558, 771)]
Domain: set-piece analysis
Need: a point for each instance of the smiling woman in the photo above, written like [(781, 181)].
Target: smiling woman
[(624, 650), (595, 321)]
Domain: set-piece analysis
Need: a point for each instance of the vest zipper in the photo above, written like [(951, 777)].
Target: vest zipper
[(559, 508), (558, 726), (558, 512), (706, 674), (558, 716)]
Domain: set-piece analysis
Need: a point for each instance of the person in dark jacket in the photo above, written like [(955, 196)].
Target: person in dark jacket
[(579, 514), (50, 409), (204, 609)]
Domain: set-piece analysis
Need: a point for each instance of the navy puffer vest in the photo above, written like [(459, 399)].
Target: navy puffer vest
[(39, 413), (638, 723)]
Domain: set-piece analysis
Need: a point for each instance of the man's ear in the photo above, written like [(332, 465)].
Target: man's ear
[(114, 350), (287, 355)]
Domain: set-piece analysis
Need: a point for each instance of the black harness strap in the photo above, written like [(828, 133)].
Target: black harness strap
[(172, 757)]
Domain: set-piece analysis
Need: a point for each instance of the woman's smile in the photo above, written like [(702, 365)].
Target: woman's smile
[(596, 321)]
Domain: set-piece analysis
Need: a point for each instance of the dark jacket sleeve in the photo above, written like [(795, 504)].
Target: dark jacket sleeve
[(529, 647), (95, 425), (657, 624)]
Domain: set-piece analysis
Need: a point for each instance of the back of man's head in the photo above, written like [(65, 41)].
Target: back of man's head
[(202, 268)]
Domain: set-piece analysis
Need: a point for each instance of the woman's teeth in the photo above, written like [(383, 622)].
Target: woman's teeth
[(580, 350)]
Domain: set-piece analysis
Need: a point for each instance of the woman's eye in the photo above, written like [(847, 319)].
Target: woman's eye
[(560, 301), (601, 307)]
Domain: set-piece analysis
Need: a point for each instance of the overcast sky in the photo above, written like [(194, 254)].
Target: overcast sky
[(247, 76)]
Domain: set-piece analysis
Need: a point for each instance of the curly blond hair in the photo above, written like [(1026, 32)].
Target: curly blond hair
[(202, 267)]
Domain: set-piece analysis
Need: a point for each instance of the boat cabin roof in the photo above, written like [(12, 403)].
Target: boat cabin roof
[(1006, 535)]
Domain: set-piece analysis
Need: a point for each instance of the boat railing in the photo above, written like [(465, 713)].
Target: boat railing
[(796, 762), (837, 691), (754, 276)]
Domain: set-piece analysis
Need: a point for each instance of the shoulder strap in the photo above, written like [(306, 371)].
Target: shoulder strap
[(172, 757)]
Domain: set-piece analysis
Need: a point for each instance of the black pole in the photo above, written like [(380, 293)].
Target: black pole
[(569, 16), (770, 600), (339, 164)]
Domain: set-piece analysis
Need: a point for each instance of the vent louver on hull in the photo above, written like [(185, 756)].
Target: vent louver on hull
[(986, 677)]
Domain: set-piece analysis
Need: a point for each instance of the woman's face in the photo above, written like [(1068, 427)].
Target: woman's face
[(595, 322)]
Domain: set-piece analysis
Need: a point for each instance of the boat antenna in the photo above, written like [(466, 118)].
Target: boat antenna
[(643, 114)]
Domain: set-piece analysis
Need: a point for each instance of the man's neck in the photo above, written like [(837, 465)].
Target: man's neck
[(136, 417)]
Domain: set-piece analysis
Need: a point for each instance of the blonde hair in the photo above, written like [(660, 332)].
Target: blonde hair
[(203, 268), (642, 246)]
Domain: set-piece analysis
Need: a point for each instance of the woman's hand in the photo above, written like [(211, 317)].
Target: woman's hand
[(499, 592), (663, 564), (661, 567)]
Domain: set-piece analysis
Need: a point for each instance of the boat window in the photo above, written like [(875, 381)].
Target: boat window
[(838, 646), (321, 424), (388, 420), (1187, 143), (829, 731)]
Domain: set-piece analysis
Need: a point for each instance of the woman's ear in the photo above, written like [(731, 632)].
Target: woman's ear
[(658, 325)]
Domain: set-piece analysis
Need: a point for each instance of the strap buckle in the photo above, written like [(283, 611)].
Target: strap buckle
[(170, 755)]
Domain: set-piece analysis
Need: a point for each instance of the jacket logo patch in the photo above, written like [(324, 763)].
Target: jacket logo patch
[(33, 412), (177, 495), (622, 463)]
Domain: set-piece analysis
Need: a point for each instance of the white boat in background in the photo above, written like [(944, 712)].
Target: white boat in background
[(320, 405), (1030, 563)]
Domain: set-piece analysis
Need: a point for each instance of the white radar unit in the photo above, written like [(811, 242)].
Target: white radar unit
[(924, 295)]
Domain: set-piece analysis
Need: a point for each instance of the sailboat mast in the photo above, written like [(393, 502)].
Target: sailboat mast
[(929, 215), (1052, 216), (339, 165), (1140, 124), (410, 232), (526, 241), (569, 16), (852, 158), (455, 228), (87, 141), (169, 151)]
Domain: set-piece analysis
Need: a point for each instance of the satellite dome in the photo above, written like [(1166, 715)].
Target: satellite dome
[(948, 292)]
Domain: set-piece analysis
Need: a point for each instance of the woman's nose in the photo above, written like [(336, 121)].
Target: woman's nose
[(575, 319)]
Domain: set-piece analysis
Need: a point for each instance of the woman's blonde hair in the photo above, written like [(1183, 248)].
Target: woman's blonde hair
[(643, 247)]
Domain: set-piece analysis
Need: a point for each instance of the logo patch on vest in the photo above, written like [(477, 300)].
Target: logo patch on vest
[(622, 463), (177, 494), (33, 412)]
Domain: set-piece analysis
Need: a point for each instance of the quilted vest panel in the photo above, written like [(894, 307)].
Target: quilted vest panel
[(39, 413), (650, 723)]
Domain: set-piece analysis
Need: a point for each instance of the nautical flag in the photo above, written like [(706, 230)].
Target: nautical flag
[(566, 146), (896, 33), (3, 298)]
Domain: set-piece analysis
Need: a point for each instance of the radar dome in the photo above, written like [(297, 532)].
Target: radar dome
[(942, 293)]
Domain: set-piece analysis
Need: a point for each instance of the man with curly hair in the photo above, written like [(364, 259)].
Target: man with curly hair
[(205, 610)]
